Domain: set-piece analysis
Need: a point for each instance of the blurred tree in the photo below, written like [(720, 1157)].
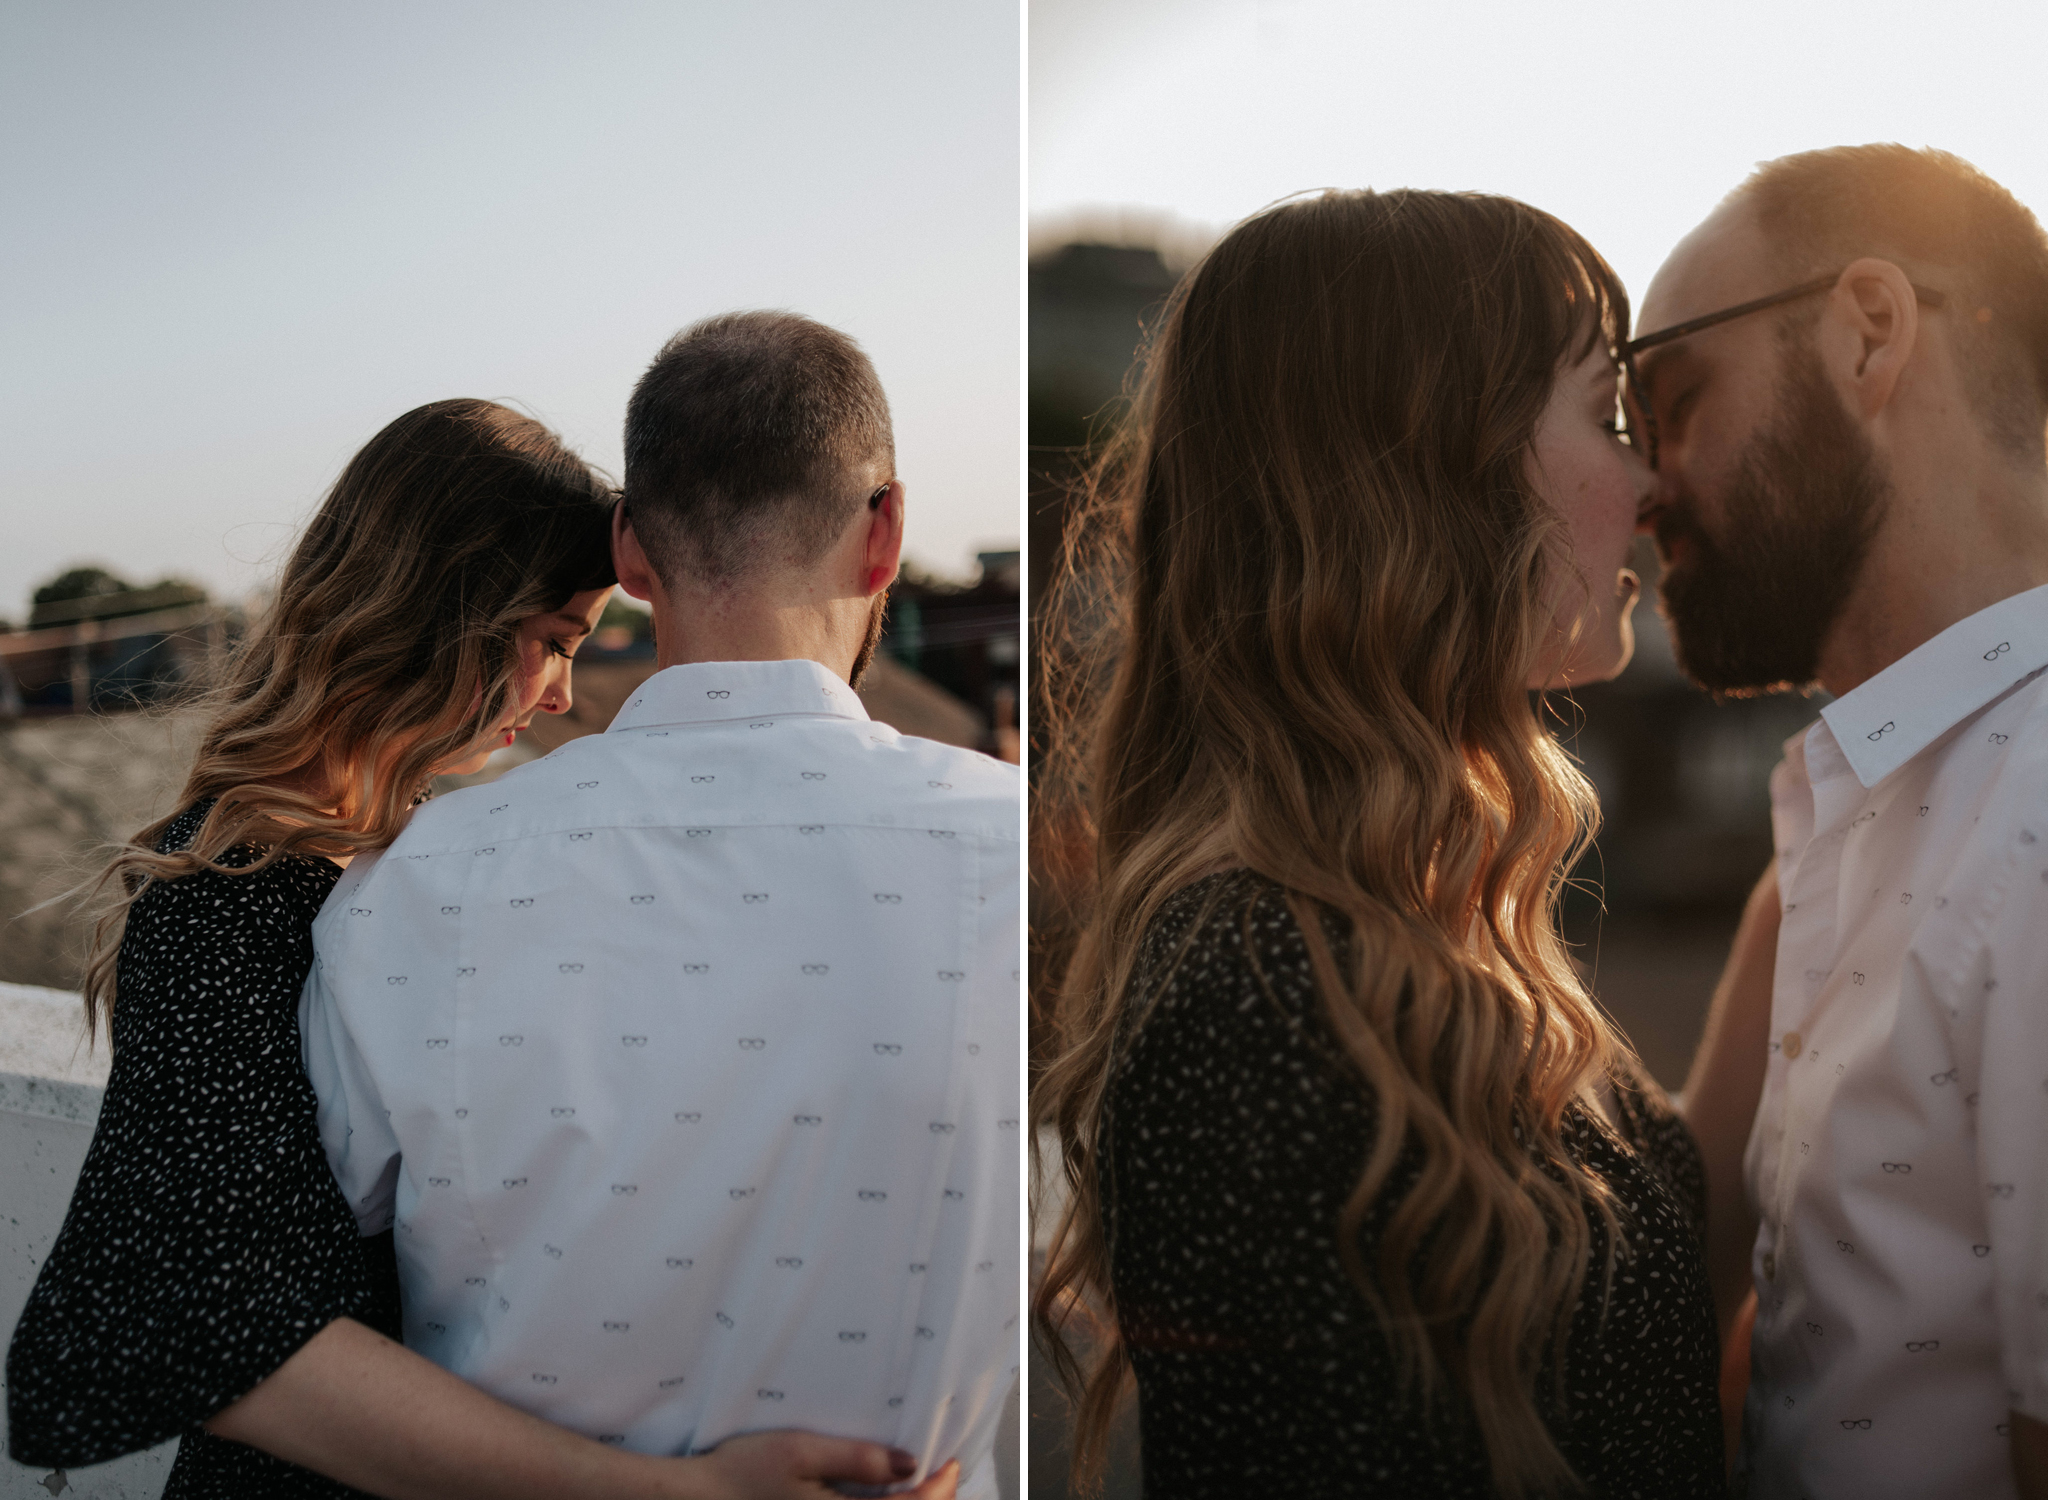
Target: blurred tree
[(622, 613), (81, 583), (93, 593)]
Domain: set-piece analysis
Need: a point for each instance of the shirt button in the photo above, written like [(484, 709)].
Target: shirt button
[(1792, 1043), (1770, 1266)]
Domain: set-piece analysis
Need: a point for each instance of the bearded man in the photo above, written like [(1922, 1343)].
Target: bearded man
[(1845, 387)]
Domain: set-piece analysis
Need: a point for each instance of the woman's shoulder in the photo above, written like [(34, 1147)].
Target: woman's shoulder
[(292, 883), (184, 828), (1232, 923), (246, 933), (1225, 964)]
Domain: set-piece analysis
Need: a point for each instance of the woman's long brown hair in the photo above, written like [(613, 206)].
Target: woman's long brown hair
[(1292, 632), (390, 647)]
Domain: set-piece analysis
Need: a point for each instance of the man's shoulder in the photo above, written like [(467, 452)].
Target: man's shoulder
[(862, 771), (956, 769), (461, 819), (824, 769), (474, 817), (2004, 746), (1984, 797)]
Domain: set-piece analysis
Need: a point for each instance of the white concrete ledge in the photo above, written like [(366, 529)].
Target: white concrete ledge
[(47, 1067), (51, 1084)]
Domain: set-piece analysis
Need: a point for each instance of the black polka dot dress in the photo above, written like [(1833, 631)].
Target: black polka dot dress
[(1237, 1129), (206, 1239)]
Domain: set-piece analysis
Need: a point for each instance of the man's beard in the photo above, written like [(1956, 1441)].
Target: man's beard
[(1749, 610), (877, 613)]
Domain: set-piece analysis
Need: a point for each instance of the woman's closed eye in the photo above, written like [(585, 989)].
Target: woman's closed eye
[(558, 649), (1605, 407)]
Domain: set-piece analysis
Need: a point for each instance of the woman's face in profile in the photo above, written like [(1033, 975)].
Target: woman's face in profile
[(547, 644), (1597, 484)]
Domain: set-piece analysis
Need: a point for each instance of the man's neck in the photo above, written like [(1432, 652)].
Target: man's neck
[(694, 627), (1946, 550)]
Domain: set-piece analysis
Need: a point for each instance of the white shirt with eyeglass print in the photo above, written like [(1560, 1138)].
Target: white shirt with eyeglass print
[(685, 1061), (1899, 1162)]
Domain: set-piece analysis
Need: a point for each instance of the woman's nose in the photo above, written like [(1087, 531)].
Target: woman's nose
[(558, 698)]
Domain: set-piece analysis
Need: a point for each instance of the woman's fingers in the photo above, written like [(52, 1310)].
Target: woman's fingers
[(850, 1459), (938, 1485), (791, 1462)]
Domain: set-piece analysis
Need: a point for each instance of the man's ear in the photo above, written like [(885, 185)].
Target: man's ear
[(629, 561), (1872, 328), (883, 553)]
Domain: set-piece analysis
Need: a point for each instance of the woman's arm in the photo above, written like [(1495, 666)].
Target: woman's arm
[(1723, 1088), (369, 1412)]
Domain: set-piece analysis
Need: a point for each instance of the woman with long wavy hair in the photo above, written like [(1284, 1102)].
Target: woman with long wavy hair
[(1359, 1183), (209, 1281)]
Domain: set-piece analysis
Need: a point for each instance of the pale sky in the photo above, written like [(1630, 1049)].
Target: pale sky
[(239, 236), (1628, 121)]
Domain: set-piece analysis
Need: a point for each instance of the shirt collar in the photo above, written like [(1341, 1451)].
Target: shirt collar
[(709, 692), (1888, 720)]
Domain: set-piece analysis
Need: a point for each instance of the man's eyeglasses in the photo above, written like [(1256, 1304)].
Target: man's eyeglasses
[(1635, 404)]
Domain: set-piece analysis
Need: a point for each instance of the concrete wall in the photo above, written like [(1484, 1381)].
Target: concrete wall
[(67, 787), (50, 1088)]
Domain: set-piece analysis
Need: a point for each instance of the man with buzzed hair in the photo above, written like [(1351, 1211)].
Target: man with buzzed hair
[(701, 1113), (1844, 387), (749, 442), (754, 424)]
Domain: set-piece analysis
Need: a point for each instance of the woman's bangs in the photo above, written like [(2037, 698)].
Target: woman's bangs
[(1597, 299)]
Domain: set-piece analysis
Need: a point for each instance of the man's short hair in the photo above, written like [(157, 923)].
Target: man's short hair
[(752, 440), (1932, 210)]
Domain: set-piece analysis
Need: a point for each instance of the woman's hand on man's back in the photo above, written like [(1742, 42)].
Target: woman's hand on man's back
[(363, 1409), (789, 1465)]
